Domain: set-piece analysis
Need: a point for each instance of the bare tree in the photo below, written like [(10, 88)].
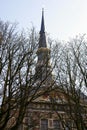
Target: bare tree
[(71, 69), (18, 82), (16, 79), (16, 61)]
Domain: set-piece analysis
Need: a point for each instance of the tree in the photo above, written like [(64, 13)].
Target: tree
[(16, 60), (18, 82), (71, 69), (17, 79)]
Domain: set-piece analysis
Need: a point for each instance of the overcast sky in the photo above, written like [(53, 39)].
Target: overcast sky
[(63, 18)]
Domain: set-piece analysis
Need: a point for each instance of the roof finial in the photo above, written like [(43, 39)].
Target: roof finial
[(42, 10)]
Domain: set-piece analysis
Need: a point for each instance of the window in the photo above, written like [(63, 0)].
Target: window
[(56, 125), (68, 125), (44, 124)]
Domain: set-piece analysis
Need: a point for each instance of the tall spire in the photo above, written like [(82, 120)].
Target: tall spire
[(42, 22), (42, 40), (43, 67)]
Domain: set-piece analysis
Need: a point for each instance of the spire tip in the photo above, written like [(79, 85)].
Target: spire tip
[(42, 9)]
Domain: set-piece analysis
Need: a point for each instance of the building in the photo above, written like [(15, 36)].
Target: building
[(54, 109), (51, 111)]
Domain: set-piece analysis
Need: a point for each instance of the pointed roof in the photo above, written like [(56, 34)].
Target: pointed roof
[(42, 40), (42, 22)]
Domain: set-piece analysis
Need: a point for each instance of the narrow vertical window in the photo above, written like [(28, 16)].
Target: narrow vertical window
[(44, 124), (68, 125), (56, 125)]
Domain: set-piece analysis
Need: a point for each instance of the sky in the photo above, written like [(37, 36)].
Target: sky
[(64, 19)]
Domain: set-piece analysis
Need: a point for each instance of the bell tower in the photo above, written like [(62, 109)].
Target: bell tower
[(43, 67)]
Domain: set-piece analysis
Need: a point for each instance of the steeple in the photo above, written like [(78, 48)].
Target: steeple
[(43, 67), (42, 40)]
